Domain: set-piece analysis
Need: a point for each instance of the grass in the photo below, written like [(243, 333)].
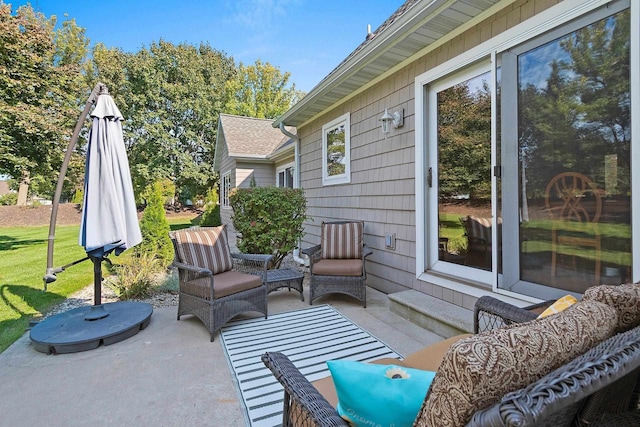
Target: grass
[(23, 261), (451, 228)]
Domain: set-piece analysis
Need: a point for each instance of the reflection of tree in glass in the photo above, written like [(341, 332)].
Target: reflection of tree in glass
[(464, 141), (580, 116), (336, 151)]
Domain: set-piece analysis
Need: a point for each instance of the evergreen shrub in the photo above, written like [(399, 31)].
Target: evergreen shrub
[(268, 220), (155, 227)]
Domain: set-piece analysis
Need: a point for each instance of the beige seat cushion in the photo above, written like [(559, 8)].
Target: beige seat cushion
[(427, 359), (624, 298), (342, 241), (338, 267), (477, 371), (227, 283), (204, 247)]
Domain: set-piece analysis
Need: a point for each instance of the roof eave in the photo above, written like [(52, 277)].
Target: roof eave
[(391, 34)]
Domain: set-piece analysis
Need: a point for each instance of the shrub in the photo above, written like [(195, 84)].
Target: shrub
[(9, 199), (78, 196), (137, 276), (155, 228), (211, 215), (268, 220)]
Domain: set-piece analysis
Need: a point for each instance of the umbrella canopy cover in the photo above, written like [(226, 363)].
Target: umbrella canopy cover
[(109, 214)]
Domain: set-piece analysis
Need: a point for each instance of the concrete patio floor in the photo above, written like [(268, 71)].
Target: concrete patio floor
[(169, 374)]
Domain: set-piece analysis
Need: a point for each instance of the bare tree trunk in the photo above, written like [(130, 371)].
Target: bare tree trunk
[(23, 190)]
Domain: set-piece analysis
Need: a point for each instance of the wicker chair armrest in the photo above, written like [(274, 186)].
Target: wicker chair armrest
[(310, 404), (311, 251), (314, 253), (496, 313), (191, 272), (366, 251)]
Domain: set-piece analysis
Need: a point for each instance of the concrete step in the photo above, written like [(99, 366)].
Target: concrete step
[(435, 315)]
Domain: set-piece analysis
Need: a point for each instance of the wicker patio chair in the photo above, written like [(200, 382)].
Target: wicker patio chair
[(337, 264), (215, 284)]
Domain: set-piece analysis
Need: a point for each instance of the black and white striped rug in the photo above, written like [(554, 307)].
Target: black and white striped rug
[(308, 337)]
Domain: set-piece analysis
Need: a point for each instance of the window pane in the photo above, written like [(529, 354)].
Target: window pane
[(289, 172), (336, 151), (464, 173), (281, 179), (574, 145)]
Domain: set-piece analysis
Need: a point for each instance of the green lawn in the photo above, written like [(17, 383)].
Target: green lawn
[(23, 261)]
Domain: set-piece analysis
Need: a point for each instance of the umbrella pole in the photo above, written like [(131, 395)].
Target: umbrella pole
[(97, 311), (50, 274), (97, 280)]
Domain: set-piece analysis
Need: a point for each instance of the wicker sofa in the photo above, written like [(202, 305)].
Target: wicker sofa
[(534, 373)]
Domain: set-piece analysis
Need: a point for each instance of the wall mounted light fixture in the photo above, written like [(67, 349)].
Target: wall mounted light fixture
[(396, 120)]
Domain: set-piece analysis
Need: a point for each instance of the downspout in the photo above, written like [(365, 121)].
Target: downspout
[(296, 182)]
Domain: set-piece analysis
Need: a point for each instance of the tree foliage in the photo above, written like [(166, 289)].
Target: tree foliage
[(582, 115), (268, 220), (170, 96), (261, 90), (464, 142), (40, 89)]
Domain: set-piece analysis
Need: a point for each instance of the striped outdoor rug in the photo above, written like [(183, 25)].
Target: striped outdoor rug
[(308, 337)]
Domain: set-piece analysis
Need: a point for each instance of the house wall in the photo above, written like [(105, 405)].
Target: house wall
[(382, 188), (263, 173)]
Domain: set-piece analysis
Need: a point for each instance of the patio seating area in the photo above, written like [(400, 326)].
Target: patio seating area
[(168, 374)]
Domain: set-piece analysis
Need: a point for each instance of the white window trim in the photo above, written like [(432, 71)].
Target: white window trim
[(344, 178), (531, 28), (284, 168), (224, 193)]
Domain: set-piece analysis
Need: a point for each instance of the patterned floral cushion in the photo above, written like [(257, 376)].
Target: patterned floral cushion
[(477, 371), (342, 241), (204, 247), (624, 298)]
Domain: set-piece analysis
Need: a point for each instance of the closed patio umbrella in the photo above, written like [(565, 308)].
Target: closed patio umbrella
[(109, 216), (109, 224)]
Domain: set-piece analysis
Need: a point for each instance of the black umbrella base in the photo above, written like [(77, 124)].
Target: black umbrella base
[(85, 328)]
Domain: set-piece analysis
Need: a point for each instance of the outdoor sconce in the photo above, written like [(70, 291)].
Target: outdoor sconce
[(396, 120)]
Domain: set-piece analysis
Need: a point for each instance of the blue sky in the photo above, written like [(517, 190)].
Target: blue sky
[(307, 38)]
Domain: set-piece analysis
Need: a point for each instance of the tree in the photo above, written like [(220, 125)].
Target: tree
[(155, 228), (581, 116), (170, 96), (40, 84), (261, 91), (464, 142)]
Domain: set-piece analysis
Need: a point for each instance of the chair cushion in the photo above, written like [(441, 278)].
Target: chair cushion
[(427, 358), (205, 247), (338, 267), (624, 298), (480, 228), (224, 284), (373, 394), (342, 241), (477, 371)]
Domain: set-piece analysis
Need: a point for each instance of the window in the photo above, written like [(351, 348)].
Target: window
[(226, 189), (541, 127), (284, 176), (336, 151)]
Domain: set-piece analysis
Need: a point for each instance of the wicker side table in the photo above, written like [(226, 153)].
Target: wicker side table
[(285, 278)]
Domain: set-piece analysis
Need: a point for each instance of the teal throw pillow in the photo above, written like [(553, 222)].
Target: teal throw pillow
[(379, 395)]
